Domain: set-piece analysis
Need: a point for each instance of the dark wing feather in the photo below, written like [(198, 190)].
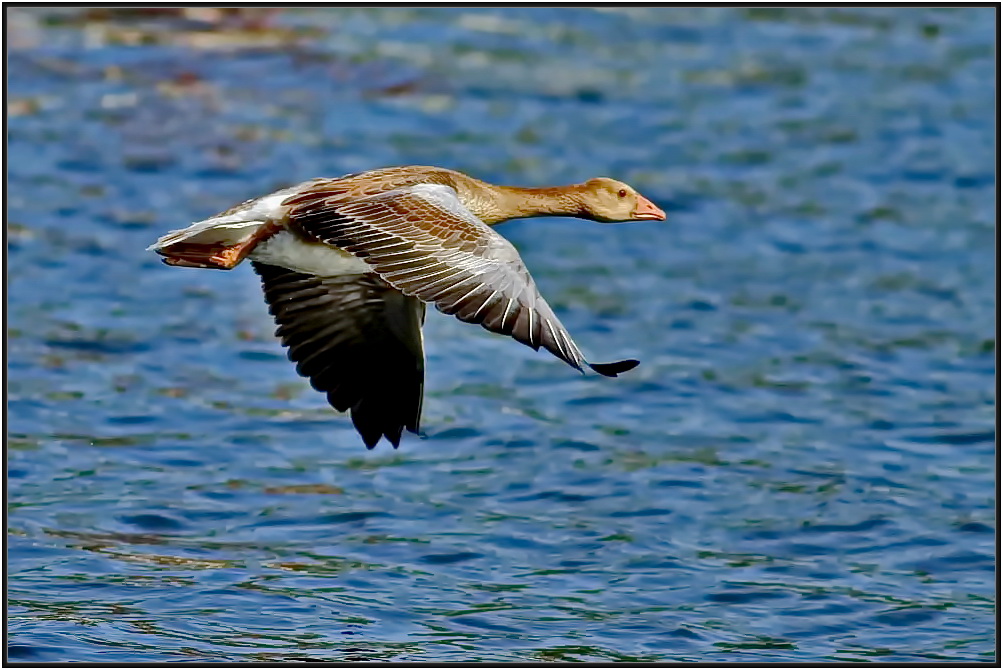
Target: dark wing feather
[(424, 242), (357, 339)]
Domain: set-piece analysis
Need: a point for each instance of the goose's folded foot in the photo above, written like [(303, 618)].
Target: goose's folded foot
[(183, 263), (215, 255)]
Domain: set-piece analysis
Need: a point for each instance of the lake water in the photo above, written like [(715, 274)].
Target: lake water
[(801, 469)]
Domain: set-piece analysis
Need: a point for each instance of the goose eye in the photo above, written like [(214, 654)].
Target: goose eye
[(622, 193)]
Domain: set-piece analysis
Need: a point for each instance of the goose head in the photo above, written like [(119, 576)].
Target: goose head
[(610, 201)]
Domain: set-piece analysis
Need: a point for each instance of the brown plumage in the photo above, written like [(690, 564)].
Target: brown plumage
[(347, 265)]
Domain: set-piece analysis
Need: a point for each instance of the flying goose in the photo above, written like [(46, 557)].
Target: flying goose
[(348, 264)]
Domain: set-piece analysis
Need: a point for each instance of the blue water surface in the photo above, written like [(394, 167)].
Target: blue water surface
[(801, 469)]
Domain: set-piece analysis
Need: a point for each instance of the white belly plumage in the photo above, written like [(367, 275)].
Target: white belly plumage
[(289, 251)]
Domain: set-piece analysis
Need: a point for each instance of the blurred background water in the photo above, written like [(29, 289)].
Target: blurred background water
[(801, 469)]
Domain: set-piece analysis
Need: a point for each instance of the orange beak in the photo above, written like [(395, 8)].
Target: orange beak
[(647, 210)]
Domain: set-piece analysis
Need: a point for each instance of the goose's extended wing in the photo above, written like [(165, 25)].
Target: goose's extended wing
[(422, 241), (358, 340)]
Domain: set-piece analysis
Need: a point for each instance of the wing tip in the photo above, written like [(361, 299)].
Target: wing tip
[(615, 368)]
